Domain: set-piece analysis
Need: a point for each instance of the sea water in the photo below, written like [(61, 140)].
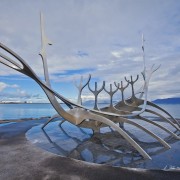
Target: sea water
[(20, 111)]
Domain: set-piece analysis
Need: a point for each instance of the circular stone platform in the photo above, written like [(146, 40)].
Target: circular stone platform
[(107, 147)]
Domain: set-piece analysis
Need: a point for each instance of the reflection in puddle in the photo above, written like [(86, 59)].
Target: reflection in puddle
[(107, 147)]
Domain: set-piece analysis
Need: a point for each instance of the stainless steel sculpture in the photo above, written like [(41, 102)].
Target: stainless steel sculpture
[(114, 116)]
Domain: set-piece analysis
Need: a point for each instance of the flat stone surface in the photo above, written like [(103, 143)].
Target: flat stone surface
[(20, 159)]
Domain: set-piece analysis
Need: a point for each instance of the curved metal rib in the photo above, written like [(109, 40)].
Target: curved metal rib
[(136, 108), (14, 65), (158, 107), (167, 120), (123, 120), (158, 125), (149, 132)]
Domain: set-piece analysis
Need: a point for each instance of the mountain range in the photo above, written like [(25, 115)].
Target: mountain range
[(175, 100)]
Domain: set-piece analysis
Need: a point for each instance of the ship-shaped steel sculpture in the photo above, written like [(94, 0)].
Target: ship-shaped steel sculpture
[(114, 116)]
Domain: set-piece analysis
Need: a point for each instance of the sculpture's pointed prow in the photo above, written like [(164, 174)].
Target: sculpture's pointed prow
[(44, 39), (44, 42)]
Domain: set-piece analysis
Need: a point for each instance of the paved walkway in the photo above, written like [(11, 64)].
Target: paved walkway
[(19, 159)]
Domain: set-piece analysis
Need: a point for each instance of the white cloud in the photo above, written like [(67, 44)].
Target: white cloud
[(3, 86), (123, 51), (108, 31)]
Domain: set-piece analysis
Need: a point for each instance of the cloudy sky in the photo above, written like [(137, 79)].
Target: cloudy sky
[(98, 37)]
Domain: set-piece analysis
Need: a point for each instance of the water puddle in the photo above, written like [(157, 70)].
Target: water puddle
[(107, 147)]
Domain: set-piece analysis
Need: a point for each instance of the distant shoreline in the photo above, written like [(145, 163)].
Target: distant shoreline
[(25, 103)]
